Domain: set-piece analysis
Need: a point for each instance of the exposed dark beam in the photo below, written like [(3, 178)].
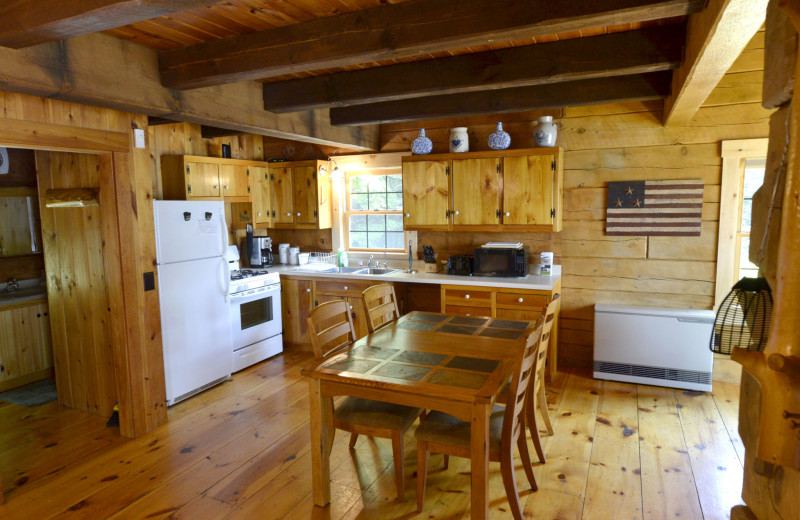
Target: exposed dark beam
[(394, 31), (25, 22), (157, 121), (639, 87), (635, 52), (210, 132)]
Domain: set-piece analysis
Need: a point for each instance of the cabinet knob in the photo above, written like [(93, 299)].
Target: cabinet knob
[(351, 307), (508, 214), (456, 212), (259, 213), (345, 288), (466, 297), (408, 215), (467, 314), (226, 186), (520, 300), (216, 186), (288, 214), (298, 213), (308, 290)]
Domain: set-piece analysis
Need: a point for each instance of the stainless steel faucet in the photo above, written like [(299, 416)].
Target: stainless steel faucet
[(12, 285), (369, 262)]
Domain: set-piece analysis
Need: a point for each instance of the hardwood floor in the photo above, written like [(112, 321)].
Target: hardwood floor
[(241, 451)]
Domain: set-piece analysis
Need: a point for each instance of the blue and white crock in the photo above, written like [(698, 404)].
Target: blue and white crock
[(499, 139), (459, 140), (544, 133)]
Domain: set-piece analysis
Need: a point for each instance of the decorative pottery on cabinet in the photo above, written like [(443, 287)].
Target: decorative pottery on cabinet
[(499, 139), (422, 145), (459, 140), (544, 133)]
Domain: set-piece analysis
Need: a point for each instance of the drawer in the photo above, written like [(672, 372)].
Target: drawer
[(462, 310), (343, 287), (520, 300), (468, 297)]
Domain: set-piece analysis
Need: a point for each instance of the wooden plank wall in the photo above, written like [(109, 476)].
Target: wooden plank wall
[(616, 143), (77, 290), (127, 237)]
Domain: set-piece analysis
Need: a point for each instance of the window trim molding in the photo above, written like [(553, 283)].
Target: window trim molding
[(734, 153), (346, 211)]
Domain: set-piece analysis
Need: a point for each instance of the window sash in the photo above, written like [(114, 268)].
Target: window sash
[(351, 212)]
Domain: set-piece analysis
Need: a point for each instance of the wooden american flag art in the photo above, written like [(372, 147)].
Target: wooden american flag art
[(655, 208)]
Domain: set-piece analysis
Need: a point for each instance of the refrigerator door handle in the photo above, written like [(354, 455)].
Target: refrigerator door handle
[(226, 268)]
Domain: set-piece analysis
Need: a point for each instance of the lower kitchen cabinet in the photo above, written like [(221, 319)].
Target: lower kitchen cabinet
[(296, 304), (26, 351)]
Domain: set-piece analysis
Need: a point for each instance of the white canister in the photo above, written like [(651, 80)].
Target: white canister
[(294, 253), (283, 253), (459, 139), (544, 133), (546, 263)]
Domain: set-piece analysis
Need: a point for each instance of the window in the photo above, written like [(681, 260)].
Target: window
[(752, 179), (374, 212)]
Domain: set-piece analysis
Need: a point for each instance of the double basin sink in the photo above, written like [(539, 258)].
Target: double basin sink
[(354, 270)]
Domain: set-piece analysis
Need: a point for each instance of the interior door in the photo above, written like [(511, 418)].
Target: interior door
[(426, 193), (528, 190), (305, 194), (204, 179), (282, 204), (476, 191)]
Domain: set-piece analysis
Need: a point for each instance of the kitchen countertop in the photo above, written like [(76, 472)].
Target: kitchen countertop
[(531, 282), (29, 290)]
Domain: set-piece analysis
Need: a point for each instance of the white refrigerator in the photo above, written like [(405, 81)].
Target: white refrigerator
[(193, 282)]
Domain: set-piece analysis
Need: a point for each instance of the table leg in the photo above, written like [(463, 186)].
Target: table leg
[(321, 431), (480, 461)]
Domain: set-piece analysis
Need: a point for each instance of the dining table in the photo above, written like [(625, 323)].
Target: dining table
[(455, 364)]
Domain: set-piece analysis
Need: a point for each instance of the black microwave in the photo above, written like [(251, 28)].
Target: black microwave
[(501, 261)]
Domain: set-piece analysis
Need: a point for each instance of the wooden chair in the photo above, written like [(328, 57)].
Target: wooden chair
[(380, 302), (443, 433), (331, 329)]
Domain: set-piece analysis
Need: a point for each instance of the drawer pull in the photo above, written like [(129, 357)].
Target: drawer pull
[(466, 297), (345, 288), (467, 314), (520, 300), (308, 290)]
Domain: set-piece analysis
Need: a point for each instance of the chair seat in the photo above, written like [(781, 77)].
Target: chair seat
[(375, 414), (441, 428)]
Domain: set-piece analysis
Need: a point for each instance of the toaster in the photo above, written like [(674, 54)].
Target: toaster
[(460, 264)]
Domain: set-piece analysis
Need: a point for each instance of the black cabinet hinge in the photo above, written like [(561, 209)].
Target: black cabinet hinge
[(447, 213), (187, 170), (189, 188), (248, 172), (497, 213), (248, 189), (498, 168), (553, 213), (447, 170), (553, 166), (315, 213)]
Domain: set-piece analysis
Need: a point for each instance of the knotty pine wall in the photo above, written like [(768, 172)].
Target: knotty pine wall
[(616, 143), (77, 290)]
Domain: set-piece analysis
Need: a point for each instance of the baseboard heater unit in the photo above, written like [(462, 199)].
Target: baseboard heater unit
[(653, 346)]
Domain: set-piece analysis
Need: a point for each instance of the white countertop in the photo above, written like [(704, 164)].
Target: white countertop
[(533, 282)]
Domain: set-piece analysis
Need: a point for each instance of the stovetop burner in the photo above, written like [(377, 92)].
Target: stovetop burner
[(246, 273)]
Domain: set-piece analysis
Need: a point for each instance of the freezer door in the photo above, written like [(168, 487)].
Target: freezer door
[(189, 230), (195, 325)]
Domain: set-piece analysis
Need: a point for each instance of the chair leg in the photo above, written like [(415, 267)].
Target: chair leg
[(399, 456), (542, 398), (353, 438), (422, 472), (530, 418), (510, 483), (522, 445)]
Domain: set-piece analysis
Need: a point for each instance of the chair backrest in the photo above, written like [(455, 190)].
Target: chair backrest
[(549, 314), (380, 302), (330, 327), (524, 375)]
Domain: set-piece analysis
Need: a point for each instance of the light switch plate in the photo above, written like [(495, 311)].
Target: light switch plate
[(138, 138)]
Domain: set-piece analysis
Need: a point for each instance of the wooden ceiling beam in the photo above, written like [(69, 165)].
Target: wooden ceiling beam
[(634, 52), (639, 87), (715, 37), (24, 23), (395, 31)]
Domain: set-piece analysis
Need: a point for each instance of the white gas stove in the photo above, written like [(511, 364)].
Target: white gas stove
[(256, 327)]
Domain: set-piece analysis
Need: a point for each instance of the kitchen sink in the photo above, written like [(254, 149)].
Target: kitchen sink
[(375, 270), (350, 270)]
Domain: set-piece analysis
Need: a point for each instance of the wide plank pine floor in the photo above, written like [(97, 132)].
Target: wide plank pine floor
[(241, 451)]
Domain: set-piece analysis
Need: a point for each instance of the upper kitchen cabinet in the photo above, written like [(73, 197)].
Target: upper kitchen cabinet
[(510, 190), (194, 177), (426, 194), (262, 196), (301, 196)]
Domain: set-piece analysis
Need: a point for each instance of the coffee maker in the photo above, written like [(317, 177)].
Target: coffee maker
[(259, 249)]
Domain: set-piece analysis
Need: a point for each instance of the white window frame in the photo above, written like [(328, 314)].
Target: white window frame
[(347, 211)]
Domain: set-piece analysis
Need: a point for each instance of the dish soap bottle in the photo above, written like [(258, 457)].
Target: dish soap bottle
[(339, 257)]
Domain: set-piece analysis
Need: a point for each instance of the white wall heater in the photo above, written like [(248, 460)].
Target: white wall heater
[(653, 346)]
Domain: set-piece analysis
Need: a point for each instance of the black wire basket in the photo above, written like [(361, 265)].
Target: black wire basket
[(744, 317)]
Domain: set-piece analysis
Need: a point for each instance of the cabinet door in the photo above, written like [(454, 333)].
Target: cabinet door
[(528, 185), (26, 346), (203, 179), (234, 180), (282, 195), (296, 304), (426, 194), (262, 201), (476, 194), (305, 194)]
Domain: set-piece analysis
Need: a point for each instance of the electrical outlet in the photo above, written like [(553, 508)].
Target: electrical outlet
[(138, 138)]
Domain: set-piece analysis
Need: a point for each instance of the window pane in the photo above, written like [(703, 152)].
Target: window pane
[(377, 183), (358, 185), (744, 257), (358, 239), (747, 214), (753, 179), (394, 201), (394, 240), (377, 201), (359, 202), (376, 223), (377, 240), (358, 222), (394, 183), (394, 222)]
